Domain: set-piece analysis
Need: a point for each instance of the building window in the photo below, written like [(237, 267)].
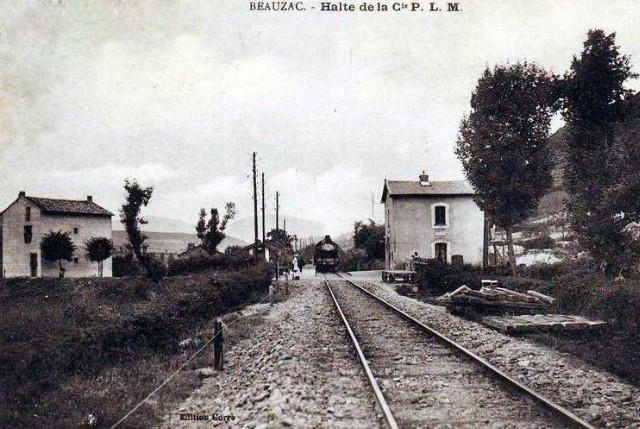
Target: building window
[(440, 215), (75, 260), (441, 252), (28, 234), (75, 230), (27, 214)]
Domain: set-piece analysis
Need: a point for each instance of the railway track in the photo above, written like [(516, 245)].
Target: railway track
[(421, 379)]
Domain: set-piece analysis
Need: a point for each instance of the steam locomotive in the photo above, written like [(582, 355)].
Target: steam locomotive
[(326, 256)]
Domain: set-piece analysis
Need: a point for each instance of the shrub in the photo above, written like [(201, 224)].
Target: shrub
[(538, 243), (521, 284), (218, 261), (125, 266), (155, 269), (442, 277)]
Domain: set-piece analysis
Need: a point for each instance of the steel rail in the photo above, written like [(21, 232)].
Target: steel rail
[(566, 416), (386, 411)]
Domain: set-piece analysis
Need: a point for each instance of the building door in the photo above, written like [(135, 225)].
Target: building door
[(441, 252), (34, 265)]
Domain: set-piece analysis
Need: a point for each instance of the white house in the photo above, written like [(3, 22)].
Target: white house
[(28, 219), (433, 219)]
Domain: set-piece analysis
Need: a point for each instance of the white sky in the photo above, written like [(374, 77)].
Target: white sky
[(178, 94)]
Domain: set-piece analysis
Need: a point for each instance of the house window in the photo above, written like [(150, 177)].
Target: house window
[(440, 215), (75, 230), (28, 234), (441, 252), (27, 214), (75, 260)]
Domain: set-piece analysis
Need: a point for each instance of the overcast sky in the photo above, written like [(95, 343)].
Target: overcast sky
[(178, 94)]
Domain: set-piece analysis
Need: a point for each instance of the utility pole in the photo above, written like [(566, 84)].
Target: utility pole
[(263, 230), (255, 212), (276, 236)]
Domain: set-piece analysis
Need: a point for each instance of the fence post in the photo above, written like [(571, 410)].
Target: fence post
[(217, 345)]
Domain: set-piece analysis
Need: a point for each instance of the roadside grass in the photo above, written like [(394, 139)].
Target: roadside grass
[(82, 352)]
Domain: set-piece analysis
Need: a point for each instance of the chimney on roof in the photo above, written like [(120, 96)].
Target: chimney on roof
[(22, 194), (424, 179), (89, 198)]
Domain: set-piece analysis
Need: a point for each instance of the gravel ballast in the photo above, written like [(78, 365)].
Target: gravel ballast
[(599, 397), (295, 369)]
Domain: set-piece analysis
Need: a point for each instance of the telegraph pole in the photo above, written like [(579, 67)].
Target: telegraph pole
[(263, 229), (255, 212), (276, 236)]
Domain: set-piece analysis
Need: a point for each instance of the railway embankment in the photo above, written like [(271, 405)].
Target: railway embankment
[(83, 352), (597, 396)]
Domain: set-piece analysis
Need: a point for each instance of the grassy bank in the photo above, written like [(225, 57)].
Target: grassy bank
[(74, 347), (580, 289)]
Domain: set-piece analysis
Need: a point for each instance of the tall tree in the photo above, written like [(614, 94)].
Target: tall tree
[(98, 250), (211, 232), (592, 95), (136, 198), (370, 238), (57, 246), (502, 143)]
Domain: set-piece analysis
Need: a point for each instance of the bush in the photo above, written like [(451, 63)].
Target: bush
[(442, 277), (155, 269), (126, 266), (217, 261), (538, 243), (550, 272), (524, 284)]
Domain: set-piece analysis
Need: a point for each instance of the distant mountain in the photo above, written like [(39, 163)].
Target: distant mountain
[(303, 228), (159, 224), (172, 242)]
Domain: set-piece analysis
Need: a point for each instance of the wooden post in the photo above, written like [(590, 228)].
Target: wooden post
[(218, 339), (276, 236), (263, 228)]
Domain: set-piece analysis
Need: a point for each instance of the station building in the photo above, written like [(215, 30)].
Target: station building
[(28, 219), (435, 219)]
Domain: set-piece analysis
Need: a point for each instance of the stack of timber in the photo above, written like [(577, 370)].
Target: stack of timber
[(541, 323), (495, 301)]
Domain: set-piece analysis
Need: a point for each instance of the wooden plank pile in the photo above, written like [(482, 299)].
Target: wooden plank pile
[(541, 323), (495, 301)]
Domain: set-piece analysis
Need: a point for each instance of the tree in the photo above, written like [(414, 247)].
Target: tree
[(211, 233), (502, 144), (370, 238), (280, 239), (57, 246), (592, 95), (98, 249), (136, 198)]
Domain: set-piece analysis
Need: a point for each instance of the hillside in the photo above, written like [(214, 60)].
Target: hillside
[(172, 242), (627, 129), (303, 228)]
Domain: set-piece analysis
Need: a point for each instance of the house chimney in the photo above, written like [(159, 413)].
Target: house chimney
[(89, 198), (22, 194), (424, 179)]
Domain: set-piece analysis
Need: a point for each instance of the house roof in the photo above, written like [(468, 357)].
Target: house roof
[(260, 244), (68, 207), (414, 188)]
